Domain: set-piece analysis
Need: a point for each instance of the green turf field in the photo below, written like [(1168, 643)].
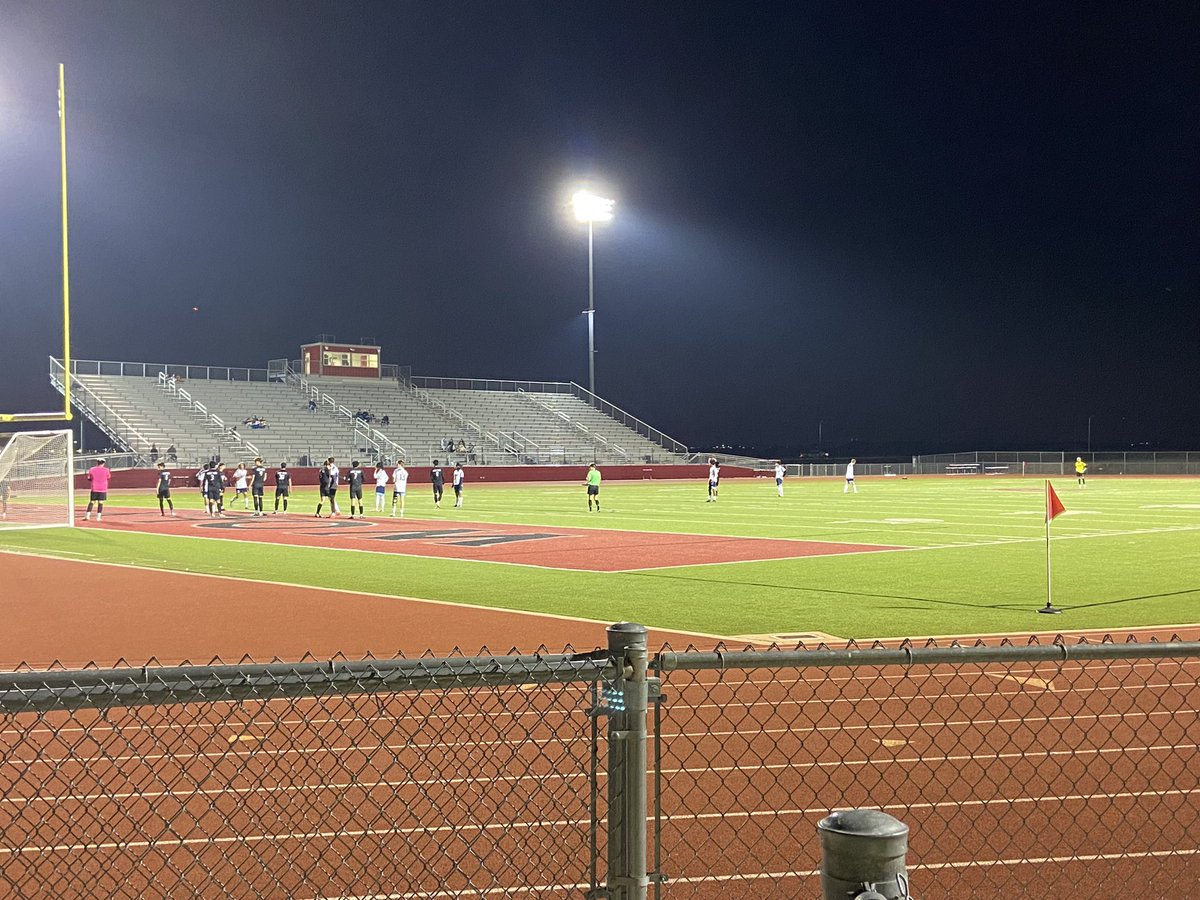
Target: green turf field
[(1127, 553)]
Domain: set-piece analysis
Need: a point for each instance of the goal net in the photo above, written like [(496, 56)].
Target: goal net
[(36, 484)]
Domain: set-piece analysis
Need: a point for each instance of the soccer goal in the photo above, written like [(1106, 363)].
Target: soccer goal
[(37, 487)]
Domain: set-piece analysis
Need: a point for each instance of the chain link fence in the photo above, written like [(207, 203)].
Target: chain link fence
[(1023, 771)]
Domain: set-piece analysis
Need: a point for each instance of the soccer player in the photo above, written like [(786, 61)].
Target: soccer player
[(850, 477), (399, 487), (354, 479), (457, 483), (164, 489), (593, 487), (714, 479), (334, 476), (780, 472), (438, 480), (98, 475), (323, 477), (202, 481), (258, 483), (283, 486), (240, 486), (381, 480), (216, 490), (1080, 472)]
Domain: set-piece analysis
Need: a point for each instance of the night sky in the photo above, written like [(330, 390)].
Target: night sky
[(927, 226)]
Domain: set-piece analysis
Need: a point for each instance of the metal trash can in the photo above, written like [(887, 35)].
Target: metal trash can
[(862, 855)]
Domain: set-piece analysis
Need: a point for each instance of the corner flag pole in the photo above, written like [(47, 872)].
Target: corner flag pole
[(1054, 507), (62, 140)]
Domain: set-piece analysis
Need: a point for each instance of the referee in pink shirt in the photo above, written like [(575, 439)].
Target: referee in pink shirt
[(98, 475)]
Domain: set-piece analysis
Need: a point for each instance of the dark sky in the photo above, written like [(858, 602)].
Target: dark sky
[(927, 225)]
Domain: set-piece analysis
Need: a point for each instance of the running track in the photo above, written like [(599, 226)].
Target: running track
[(354, 797)]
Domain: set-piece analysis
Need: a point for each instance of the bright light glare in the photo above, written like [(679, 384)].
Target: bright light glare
[(590, 208)]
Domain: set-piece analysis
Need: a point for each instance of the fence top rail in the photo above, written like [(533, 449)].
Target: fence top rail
[(671, 660), (103, 688)]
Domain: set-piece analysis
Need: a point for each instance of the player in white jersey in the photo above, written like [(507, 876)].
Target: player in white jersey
[(780, 471), (381, 480), (399, 487), (714, 479), (457, 483), (241, 486), (850, 477)]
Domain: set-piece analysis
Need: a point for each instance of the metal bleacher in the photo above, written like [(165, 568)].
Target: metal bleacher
[(203, 414)]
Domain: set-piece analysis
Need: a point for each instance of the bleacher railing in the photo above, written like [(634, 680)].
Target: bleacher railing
[(1036, 771), (100, 413), (179, 370), (366, 436)]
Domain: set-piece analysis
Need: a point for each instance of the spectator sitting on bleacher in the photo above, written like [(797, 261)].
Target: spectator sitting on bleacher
[(153, 453), (258, 422), (385, 421), (312, 405), (172, 454)]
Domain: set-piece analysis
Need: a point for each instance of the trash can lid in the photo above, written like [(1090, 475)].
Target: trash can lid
[(866, 822)]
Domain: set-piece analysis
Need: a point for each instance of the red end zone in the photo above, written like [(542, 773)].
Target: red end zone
[(583, 549)]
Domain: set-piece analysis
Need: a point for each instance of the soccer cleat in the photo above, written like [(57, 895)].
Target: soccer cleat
[(87, 517), (99, 516)]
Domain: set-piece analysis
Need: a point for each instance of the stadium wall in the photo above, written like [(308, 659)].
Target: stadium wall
[(419, 475)]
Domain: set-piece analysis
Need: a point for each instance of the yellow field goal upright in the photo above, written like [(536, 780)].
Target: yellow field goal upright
[(65, 414)]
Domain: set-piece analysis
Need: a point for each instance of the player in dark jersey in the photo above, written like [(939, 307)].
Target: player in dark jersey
[(258, 480), (202, 481), (164, 489), (323, 477), (283, 486), (354, 480), (438, 480), (216, 490)]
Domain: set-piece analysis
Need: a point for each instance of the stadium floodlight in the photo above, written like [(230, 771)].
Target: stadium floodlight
[(591, 209)]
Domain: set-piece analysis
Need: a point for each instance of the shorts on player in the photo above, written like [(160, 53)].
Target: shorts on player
[(355, 493), (257, 490), (779, 481), (214, 495), (593, 490), (399, 493), (457, 489), (849, 477), (240, 491), (282, 492), (164, 495), (98, 495), (380, 489), (712, 485)]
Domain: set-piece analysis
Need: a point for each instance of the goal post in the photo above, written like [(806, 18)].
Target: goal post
[(37, 480)]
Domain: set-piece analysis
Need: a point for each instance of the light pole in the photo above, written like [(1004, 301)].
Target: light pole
[(1089, 435), (591, 209)]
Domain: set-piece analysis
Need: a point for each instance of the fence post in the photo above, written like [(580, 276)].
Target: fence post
[(627, 878), (862, 855)]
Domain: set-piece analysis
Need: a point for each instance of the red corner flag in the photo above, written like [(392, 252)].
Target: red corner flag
[(1054, 506)]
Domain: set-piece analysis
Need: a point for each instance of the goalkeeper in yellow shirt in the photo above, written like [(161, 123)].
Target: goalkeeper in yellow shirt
[(1080, 471)]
